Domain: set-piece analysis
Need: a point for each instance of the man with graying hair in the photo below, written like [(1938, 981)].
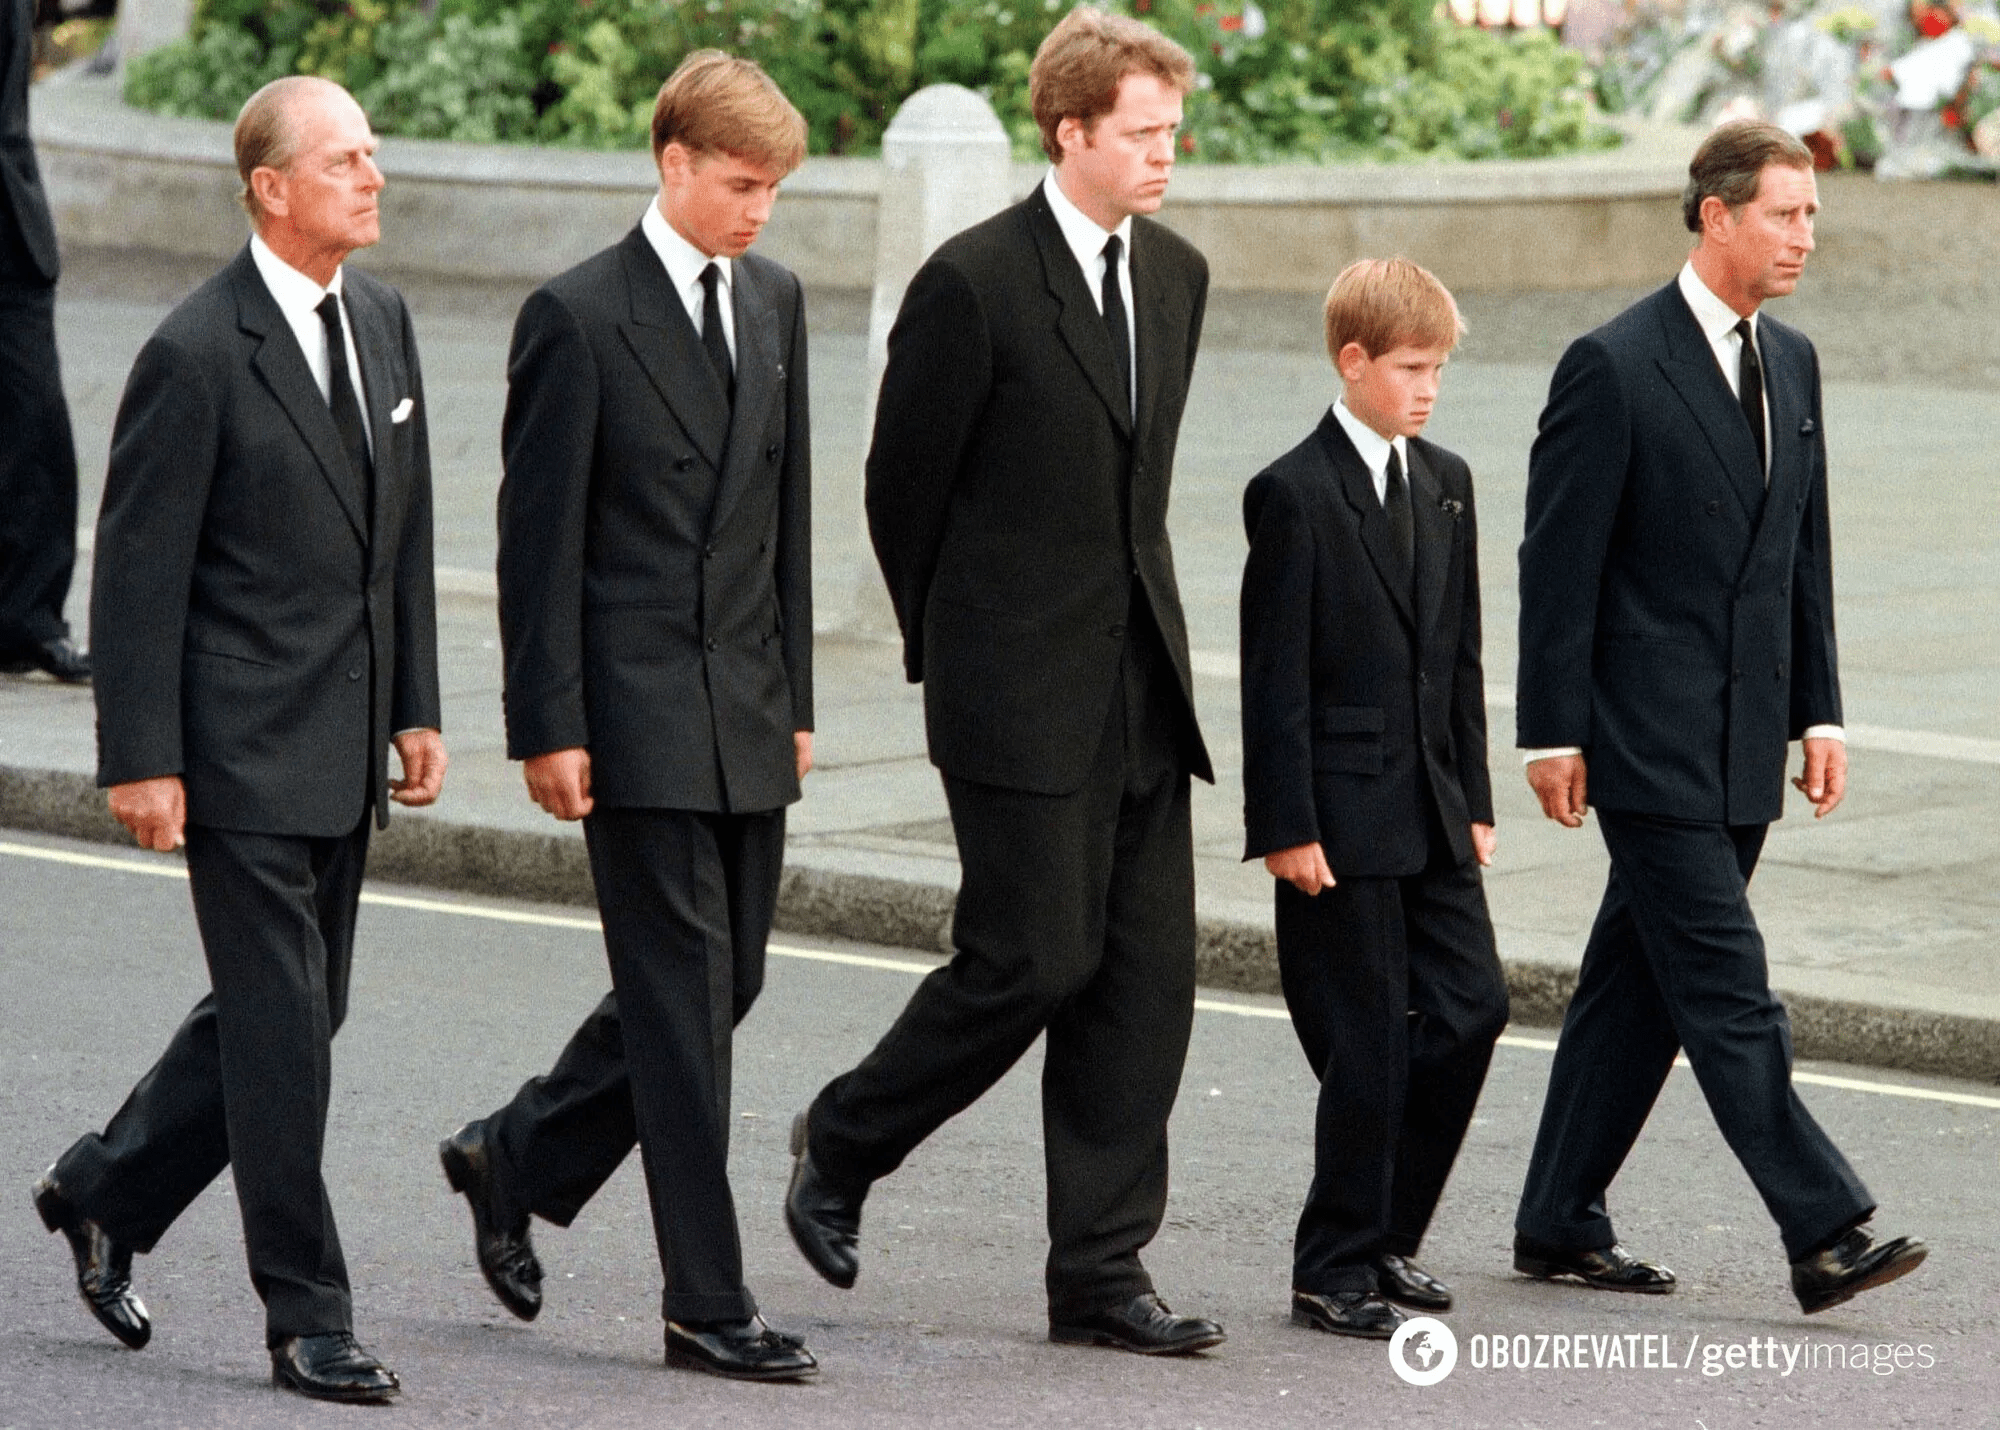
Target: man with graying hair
[(1676, 634), (265, 628)]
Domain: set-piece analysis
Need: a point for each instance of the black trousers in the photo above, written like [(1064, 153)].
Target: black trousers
[(1675, 961), (1396, 992), (687, 900), (37, 458), (1075, 917), (244, 1081)]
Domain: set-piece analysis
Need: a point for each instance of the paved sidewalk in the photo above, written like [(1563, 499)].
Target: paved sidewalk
[(1879, 922)]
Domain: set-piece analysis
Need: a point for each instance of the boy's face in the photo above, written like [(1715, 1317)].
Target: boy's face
[(1394, 392), (717, 202)]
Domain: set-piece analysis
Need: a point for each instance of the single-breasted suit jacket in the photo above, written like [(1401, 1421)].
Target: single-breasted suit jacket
[(1013, 507), (1676, 616), (25, 207), (1360, 707), (256, 627), (655, 582)]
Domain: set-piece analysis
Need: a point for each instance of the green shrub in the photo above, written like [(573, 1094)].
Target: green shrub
[(1321, 80)]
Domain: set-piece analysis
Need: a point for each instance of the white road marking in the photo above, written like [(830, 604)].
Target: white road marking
[(162, 868)]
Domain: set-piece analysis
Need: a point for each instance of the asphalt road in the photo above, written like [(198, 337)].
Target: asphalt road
[(455, 1002)]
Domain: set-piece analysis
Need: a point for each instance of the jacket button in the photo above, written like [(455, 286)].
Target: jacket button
[(1115, 630), (1714, 507), (713, 643), (771, 453), (1735, 675), (681, 464), (354, 672), (708, 550), (1423, 678)]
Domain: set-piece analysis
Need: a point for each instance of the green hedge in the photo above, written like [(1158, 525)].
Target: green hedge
[(1323, 80)]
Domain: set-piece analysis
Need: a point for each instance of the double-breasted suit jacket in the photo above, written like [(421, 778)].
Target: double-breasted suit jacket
[(1013, 506), (1371, 707), (655, 552), (1677, 614), (262, 618)]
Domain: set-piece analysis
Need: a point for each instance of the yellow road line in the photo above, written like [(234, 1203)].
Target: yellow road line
[(161, 868)]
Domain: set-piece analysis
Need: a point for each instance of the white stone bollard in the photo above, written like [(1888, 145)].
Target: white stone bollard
[(945, 166)]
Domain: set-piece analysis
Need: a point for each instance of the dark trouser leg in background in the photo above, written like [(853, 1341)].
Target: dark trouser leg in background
[(37, 459)]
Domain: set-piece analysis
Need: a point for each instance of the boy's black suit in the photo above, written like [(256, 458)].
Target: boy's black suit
[(1364, 729), (656, 609)]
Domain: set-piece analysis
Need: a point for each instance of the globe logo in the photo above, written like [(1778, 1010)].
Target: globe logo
[(1423, 1351)]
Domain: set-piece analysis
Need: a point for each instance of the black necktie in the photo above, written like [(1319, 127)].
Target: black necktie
[(711, 331), (341, 397), (1114, 317), (1750, 392), (1396, 506)]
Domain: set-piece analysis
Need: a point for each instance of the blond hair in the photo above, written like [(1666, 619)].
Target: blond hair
[(267, 132), (718, 103), (1087, 55), (1387, 303)]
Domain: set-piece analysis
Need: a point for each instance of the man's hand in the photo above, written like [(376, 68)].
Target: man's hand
[(1559, 783), (423, 758), (1825, 779), (1484, 843), (560, 782), (154, 810), (1303, 866), (802, 747)]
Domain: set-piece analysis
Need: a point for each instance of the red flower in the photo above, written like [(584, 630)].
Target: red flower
[(557, 48), (1231, 22), (1952, 118), (1187, 143), (1931, 20), (1144, 7), (1506, 119)]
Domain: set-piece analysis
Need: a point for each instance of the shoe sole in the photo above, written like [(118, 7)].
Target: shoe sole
[(1313, 1323), (1549, 1271), (458, 1176), (681, 1360), (339, 1397), (1430, 1308), (1894, 1270), (1077, 1336), (46, 1199)]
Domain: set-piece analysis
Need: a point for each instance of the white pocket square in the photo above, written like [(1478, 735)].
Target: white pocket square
[(403, 410)]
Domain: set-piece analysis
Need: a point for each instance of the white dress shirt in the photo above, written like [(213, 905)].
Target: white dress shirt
[(684, 264), (298, 298), (1717, 321), (1086, 240), (1374, 448)]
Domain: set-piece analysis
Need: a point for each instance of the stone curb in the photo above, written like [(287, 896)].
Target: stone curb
[(903, 913)]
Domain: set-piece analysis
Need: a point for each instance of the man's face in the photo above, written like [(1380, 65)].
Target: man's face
[(1120, 165), (1393, 393), (327, 195), (1763, 245), (717, 202)]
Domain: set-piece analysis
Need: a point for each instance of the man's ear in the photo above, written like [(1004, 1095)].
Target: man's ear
[(271, 190)]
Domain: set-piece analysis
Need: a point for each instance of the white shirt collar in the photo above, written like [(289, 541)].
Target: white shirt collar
[(1083, 233), (296, 295), (1373, 447), (684, 262), (1715, 317)]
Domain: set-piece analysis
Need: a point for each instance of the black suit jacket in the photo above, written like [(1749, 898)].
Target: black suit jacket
[(254, 627), (24, 208), (1013, 499), (1677, 617), (656, 549), (1355, 700)]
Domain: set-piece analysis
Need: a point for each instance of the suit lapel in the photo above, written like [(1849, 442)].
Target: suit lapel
[(758, 376), (1161, 320), (1080, 325), (283, 369), (1788, 410), (1359, 489), (1434, 539), (1691, 368), (381, 386), (669, 349)]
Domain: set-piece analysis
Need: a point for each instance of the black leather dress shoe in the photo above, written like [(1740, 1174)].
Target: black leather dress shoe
[(825, 1219), (332, 1367), (505, 1251), (1401, 1280), (1346, 1313), (103, 1266), (1142, 1325), (1855, 1263), (59, 657), (1611, 1269), (739, 1350)]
